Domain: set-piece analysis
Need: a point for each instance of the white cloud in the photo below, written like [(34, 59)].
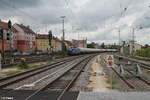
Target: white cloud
[(98, 20)]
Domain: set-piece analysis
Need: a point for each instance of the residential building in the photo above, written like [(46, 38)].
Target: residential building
[(6, 37), (128, 48), (42, 43), (68, 44), (58, 44), (26, 38), (79, 43)]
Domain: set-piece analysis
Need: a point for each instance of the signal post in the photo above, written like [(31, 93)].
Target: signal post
[(50, 37)]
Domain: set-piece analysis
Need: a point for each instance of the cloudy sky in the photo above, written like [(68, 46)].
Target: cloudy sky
[(98, 20)]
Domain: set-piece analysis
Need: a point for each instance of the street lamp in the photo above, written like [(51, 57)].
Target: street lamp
[(133, 38), (63, 26), (63, 30)]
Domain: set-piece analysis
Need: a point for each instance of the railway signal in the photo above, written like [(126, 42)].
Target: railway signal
[(50, 37), (9, 24), (1, 33), (9, 38)]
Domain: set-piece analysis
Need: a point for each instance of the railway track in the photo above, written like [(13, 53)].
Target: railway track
[(29, 60), (130, 85), (8, 83), (130, 80), (144, 63), (82, 63), (20, 76), (138, 83)]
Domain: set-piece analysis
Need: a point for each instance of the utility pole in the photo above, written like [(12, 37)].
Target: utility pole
[(133, 42), (119, 39), (63, 30)]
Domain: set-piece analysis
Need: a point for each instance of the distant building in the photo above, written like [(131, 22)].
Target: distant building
[(25, 38), (128, 48), (96, 45), (79, 43), (58, 44), (108, 46), (6, 37), (68, 44), (42, 43)]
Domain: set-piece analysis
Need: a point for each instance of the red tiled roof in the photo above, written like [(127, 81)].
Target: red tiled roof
[(5, 26), (26, 29), (41, 36), (68, 42), (57, 39), (75, 42), (45, 36)]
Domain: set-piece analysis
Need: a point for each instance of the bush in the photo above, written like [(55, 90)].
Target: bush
[(22, 64), (143, 53)]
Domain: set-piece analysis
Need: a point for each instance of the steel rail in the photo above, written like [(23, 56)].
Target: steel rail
[(144, 64), (123, 79), (44, 87), (140, 78), (73, 80), (10, 91), (128, 83), (23, 75)]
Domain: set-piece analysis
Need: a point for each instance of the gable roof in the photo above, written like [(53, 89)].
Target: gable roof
[(56, 39), (5, 26), (45, 36), (68, 42), (41, 36), (26, 29)]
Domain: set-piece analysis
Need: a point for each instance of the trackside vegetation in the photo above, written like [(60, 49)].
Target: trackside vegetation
[(144, 52)]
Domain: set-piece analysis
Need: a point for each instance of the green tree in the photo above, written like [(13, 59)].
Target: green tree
[(90, 45)]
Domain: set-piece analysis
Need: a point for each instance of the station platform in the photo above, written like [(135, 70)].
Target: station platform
[(114, 96), (22, 94)]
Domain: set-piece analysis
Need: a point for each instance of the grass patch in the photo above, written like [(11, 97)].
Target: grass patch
[(22, 64), (148, 71), (36, 66), (113, 81), (22, 67), (11, 72), (113, 84)]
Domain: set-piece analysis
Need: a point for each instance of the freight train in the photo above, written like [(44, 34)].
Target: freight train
[(76, 51)]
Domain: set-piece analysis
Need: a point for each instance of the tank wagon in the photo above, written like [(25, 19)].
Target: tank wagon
[(76, 51)]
